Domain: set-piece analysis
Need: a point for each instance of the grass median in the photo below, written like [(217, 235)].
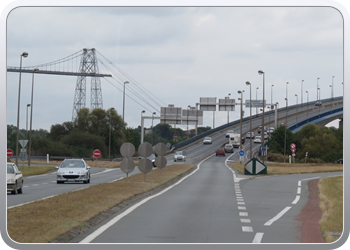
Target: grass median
[(45, 220)]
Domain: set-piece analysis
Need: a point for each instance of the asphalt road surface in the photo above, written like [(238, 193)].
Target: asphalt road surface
[(213, 205)]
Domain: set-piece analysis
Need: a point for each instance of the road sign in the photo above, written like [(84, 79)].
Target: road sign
[(127, 149), (9, 152), (242, 147), (160, 149), (97, 153), (241, 152), (127, 165), (175, 137), (23, 143), (293, 148), (306, 153), (145, 149), (23, 156)]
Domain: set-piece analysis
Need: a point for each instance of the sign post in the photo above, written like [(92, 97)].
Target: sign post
[(306, 156), (97, 154), (293, 148), (241, 154)]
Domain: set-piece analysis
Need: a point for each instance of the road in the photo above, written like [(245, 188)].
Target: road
[(213, 205), (44, 186)]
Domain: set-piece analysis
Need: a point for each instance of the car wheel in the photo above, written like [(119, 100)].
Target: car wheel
[(59, 182), (15, 189), (20, 191)]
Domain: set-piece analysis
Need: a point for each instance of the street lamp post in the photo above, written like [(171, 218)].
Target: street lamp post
[(124, 110), (110, 133), (24, 54), (319, 106), (297, 109), (153, 114), (188, 111), (317, 89), (250, 122), (301, 96), (143, 111), (31, 117), (307, 107), (228, 112), (240, 92), (256, 98), (196, 118), (263, 117), (28, 105), (285, 133), (286, 122)]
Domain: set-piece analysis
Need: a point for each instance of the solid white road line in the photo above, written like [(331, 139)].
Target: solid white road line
[(279, 215), (103, 228), (258, 237), (297, 198)]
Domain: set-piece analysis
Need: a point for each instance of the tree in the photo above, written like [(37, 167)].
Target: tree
[(277, 140)]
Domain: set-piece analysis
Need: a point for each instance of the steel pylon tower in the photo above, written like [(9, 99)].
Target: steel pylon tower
[(88, 64)]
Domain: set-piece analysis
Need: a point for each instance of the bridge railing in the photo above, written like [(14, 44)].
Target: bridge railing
[(230, 124)]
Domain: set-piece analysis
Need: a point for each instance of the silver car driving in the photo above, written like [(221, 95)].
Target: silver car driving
[(179, 156), (73, 170)]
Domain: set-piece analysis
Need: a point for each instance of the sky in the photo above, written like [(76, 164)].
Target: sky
[(175, 55)]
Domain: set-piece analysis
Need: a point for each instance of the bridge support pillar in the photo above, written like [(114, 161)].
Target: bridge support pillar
[(341, 122)]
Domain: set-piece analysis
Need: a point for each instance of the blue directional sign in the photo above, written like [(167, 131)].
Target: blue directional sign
[(241, 152)]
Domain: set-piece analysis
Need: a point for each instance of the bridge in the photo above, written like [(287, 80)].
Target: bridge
[(84, 64), (296, 117)]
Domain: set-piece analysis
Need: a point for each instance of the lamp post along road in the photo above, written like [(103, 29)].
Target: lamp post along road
[(285, 125), (31, 118), (124, 110), (24, 54), (307, 107), (263, 117), (250, 120)]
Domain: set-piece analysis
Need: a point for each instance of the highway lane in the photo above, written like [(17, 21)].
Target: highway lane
[(43, 186), (213, 205), (202, 209)]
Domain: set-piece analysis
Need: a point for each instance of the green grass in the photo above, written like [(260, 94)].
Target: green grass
[(331, 204)]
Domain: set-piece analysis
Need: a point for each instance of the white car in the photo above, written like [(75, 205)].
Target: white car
[(14, 179), (73, 170), (248, 135), (179, 156), (257, 139), (207, 140)]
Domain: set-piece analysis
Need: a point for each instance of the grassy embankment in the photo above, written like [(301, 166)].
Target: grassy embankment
[(72, 210)]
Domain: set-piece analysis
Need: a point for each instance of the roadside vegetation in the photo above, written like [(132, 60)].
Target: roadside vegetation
[(323, 145), (45, 220), (331, 204), (93, 129)]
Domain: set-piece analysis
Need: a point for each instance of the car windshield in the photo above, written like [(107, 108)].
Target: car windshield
[(72, 164), (10, 169), (228, 146), (178, 153), (207, 138)]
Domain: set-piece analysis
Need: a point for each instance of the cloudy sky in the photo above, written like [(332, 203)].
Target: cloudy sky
[(174, 55)]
